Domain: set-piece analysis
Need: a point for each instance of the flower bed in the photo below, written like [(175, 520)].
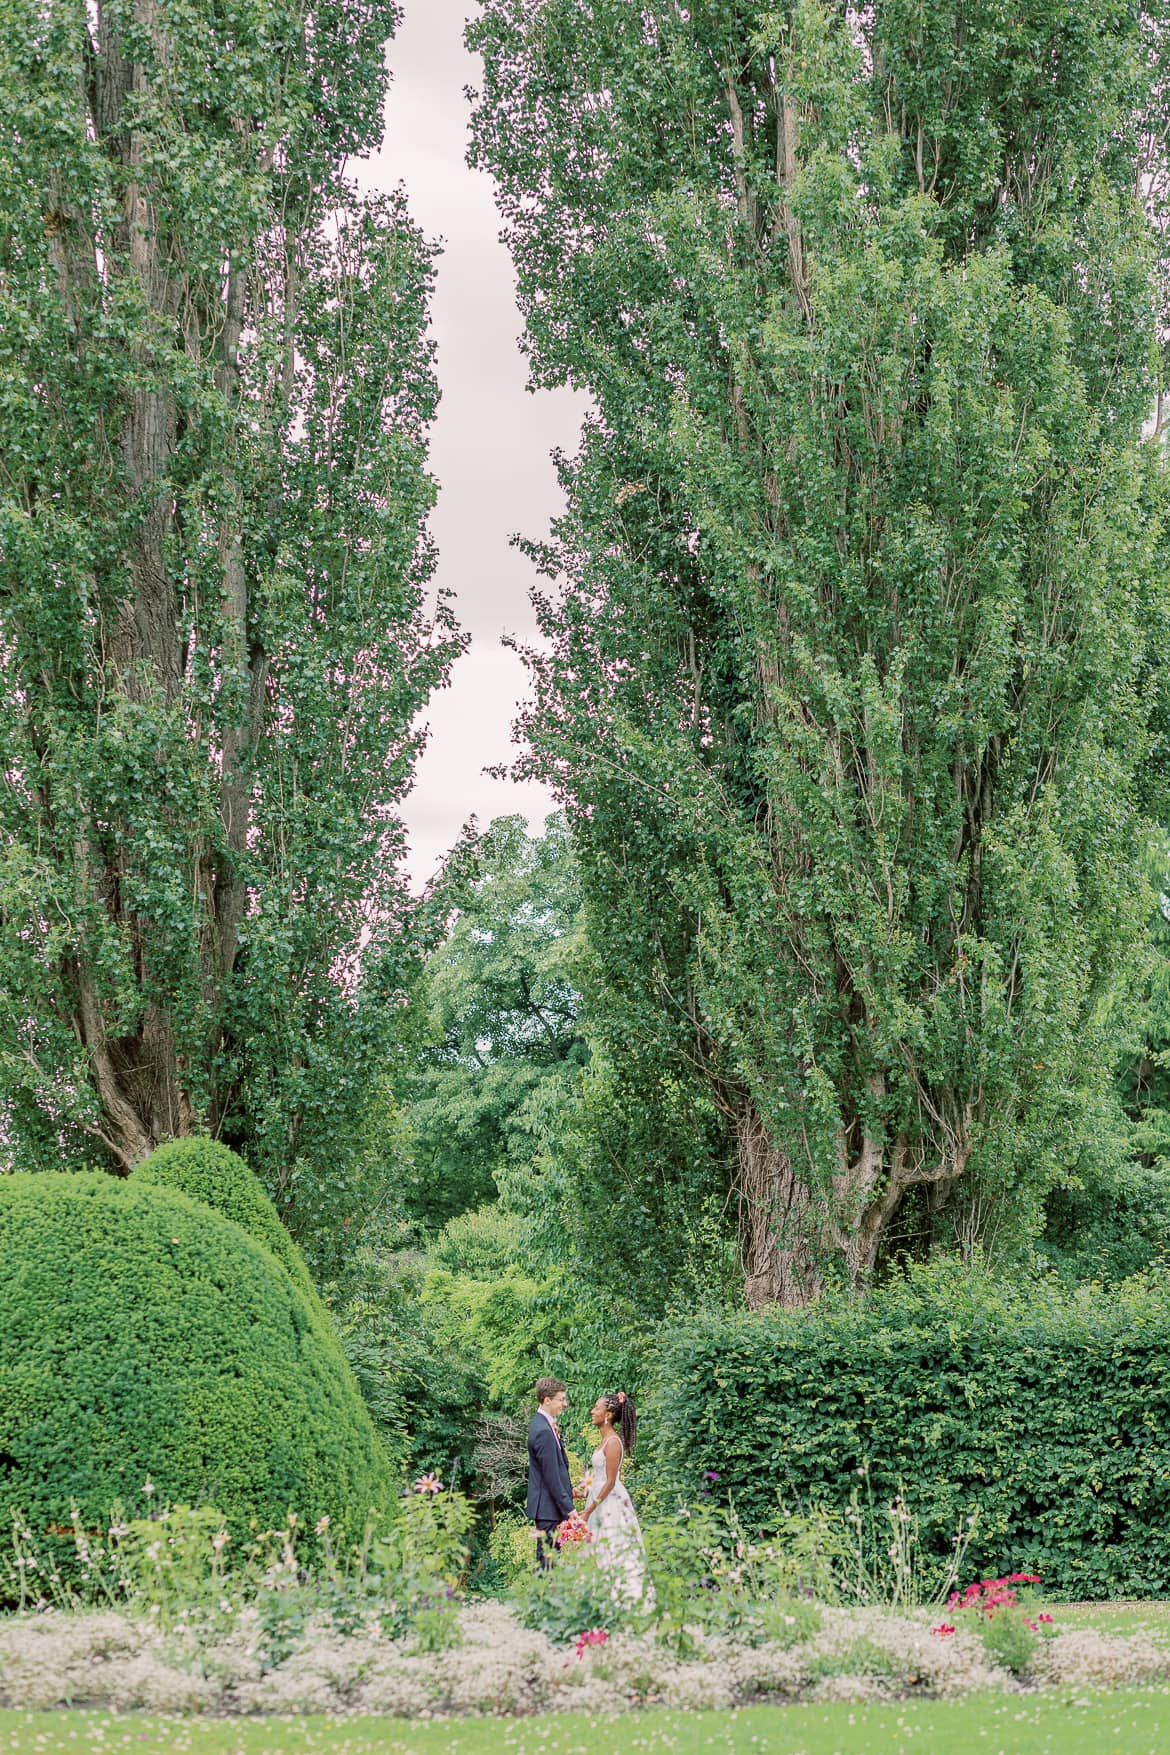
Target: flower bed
[(118, 1661)]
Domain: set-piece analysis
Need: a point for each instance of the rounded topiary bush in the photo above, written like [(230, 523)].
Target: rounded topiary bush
[(219, 1177), (144, 1335)]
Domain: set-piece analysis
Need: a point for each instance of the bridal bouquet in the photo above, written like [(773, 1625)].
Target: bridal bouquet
[(573, 1531)]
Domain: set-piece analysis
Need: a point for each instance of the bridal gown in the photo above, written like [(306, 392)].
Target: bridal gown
[(617, 1535)]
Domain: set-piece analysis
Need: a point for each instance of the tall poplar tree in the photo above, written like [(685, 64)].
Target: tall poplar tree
[(852, 678), (215, 388)]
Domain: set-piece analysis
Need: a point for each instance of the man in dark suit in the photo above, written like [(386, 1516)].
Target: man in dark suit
[(550, 1491)]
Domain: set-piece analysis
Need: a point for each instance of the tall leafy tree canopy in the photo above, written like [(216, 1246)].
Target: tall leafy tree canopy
[(501, 1048), (851, 685), (215, 386)]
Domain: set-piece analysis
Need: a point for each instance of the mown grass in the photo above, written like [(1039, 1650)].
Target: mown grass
[(1125, 1722), (1118, 1619)]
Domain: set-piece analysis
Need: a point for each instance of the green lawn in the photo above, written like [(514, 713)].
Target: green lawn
[(1129, 1722), (1150, 1618)]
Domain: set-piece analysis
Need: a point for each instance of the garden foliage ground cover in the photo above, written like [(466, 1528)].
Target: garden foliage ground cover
[(487, 1664), (169, 1617)]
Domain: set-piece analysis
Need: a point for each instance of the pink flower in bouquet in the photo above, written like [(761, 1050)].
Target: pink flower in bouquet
[(573, 1531)]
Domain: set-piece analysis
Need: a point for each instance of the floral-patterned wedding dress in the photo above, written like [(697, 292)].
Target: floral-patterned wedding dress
[(617, 1534)]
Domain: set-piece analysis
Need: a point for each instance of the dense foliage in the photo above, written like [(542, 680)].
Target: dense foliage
[(1042, 1414), (500, 1046), (1109, 1214), (212, 1173), (143, 1337), (214, 634), (447, 1343), (853, 677), (424, 1389)]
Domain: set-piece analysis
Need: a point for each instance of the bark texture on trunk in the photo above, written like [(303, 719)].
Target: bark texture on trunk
[(790, 1236), (139, 1074), (777, 1222)]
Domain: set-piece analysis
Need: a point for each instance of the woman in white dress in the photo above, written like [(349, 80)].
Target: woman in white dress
[(609, 1510)]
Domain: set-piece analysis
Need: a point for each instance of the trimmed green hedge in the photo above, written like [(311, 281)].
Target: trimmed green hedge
[(214, 1174), (1049, 1415), (142, 1334)]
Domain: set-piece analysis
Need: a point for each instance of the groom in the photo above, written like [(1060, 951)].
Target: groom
[(550, 1492)]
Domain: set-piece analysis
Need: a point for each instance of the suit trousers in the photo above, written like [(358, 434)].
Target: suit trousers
[(547, 1547)]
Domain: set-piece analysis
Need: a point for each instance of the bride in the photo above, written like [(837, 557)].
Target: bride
[(609, 1510)]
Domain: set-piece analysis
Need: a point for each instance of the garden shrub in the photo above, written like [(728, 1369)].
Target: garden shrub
[(217, 1176), (482, 1244), (145, 1337), (571, 1596), (1042, 1412), (511, 1547), (422, 1387), (524, 1324)]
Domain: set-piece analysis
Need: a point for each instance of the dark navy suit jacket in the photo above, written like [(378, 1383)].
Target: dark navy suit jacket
[(550, 1491)]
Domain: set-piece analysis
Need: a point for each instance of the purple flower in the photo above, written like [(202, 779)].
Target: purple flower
[(711, 1475)]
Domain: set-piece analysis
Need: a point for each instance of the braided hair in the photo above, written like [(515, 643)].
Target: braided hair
[(624, 1418)]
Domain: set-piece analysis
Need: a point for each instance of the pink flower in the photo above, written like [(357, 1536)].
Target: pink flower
[(944, 1630), (594, 1636), (991, 1595), (428, 1483)]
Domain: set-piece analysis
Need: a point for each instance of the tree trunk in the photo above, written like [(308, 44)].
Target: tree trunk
[(779, 1264), (139, 1075), (789, 1238)]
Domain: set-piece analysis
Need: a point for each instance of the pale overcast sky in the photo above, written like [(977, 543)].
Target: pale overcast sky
[(491, 444)]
